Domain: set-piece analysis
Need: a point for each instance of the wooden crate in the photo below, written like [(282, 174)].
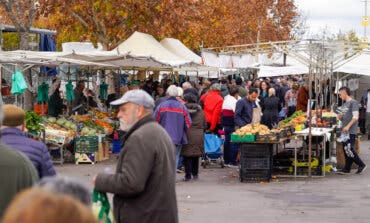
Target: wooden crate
[(340, 154), (89, 158)]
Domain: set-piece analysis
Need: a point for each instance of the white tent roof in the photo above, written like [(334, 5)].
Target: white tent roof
[(175, 46), (80, 47), (359, 65), (145, 45), (292, 67)]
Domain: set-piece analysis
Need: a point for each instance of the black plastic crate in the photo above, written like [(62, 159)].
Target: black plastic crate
[(256, 150), (255, 175), (257, 163)]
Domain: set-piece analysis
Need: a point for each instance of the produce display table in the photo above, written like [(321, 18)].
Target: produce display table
[(52, 145), (323, 132)]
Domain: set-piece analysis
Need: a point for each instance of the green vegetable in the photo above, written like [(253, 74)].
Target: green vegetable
[(33, 121)]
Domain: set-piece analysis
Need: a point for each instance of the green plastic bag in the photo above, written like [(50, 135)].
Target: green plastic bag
[(101, 207), (69, 91), (103, 92), (19, 85), (43, 93)]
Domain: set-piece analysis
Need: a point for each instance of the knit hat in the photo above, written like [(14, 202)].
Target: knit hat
[(13, 115)]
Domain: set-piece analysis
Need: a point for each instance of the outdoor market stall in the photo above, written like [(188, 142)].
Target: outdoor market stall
[(263, 151)]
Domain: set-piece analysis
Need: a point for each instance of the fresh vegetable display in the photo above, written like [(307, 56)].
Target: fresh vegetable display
[(295, 115), (33, 121), (105, 125)]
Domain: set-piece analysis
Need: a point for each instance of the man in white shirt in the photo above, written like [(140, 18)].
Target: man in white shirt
[(227, 121)]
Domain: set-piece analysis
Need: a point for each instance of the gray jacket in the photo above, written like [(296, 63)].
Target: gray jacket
[(144, 182)]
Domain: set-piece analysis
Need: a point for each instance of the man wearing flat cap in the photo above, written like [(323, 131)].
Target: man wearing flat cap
[(16, 173), (144, 182), (12, 134)]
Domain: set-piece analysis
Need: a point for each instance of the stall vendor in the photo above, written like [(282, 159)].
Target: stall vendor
[(55, 105), (80, 102)]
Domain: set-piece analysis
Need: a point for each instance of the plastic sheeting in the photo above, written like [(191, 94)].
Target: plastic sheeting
[(47, 43)]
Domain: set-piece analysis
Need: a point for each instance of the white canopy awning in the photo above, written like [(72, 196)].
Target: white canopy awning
[(176, 47), (144, 45), (359, 65)]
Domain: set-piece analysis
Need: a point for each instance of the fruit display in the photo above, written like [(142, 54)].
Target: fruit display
[(252, 129), (297, 119), (80, 118), (107, 127), (260, 133), (98, 114), (59, 134)]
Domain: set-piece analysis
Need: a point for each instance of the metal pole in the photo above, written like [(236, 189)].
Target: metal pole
[(365, 1), (310, 116)]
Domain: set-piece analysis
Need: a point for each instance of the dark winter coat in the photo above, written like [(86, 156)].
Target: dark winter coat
[(16, 173), (195, 146), (36, 151), (144, 182), (55, 105), (244, 112), (270, 111), (80, 99)]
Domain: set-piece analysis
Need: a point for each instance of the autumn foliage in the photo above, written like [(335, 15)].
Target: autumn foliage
[(194, 22)]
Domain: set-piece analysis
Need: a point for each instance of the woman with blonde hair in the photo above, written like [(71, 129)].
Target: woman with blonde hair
[(270, 109), (41, 206)]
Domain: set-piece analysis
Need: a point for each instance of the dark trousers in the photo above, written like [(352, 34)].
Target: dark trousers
[(230, 149), (350, 153), (191, 166)]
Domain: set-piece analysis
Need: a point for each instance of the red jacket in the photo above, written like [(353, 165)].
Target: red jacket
[(212, 102)]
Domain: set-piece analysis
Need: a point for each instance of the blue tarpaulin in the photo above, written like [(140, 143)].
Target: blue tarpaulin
[(47, 43)]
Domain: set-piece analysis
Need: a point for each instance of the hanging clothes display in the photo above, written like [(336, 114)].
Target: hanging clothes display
[(19, 85), (43, 92), (356, 84), (351, 84), (103, 91), (70, 96)]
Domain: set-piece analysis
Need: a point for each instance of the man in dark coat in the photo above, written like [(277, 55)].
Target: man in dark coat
[(16, 174), (80, 99), (12, 135), (144, 182), (244, 108)]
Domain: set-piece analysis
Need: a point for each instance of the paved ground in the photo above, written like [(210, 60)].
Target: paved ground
[(219, 197)]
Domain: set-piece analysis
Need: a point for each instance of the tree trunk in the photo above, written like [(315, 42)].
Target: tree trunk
[(23, 41), (28, 96)]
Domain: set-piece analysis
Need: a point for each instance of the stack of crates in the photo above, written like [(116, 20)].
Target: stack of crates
[(86, 149), (256, 162)]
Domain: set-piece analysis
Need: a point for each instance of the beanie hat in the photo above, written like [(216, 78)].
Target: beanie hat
[(13, 115)]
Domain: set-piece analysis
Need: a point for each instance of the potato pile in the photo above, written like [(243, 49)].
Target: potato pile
[(252, 129)]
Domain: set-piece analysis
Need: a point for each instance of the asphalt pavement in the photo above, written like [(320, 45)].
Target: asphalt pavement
[(219, 197)]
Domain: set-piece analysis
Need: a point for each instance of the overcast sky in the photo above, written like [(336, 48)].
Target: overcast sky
[(337, 15)]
